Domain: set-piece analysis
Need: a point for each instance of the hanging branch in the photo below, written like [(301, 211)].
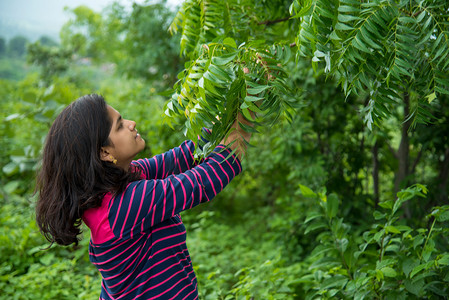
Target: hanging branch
[(214, 88)]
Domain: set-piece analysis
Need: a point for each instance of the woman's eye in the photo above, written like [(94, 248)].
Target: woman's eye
[(120, 126)]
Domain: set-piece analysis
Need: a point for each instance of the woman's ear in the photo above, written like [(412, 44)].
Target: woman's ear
[(105, 155)]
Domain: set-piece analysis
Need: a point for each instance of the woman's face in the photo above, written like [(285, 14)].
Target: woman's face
[(125, 141)]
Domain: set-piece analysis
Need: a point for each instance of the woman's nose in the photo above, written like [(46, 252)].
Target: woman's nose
[(132, 125)]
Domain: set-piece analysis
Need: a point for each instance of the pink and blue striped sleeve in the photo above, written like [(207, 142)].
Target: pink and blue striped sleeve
[(174, 161), (145, 203)]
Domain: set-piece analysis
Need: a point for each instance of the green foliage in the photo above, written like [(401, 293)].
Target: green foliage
[(84, 34), (203, 21), (136, 42), (47, 41), (214, 88), (238, 270), (53, 60), (147, 25), (27, 271), (17, 46), (13, 68), (389, 260), (90, 34), (380, 48), (2, 46)]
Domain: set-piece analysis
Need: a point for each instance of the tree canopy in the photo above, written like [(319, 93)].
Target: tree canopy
[(17, 46)]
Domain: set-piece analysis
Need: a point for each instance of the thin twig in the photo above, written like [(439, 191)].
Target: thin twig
[(271, 22)]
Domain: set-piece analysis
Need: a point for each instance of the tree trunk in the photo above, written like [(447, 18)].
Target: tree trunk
[(403, 154)]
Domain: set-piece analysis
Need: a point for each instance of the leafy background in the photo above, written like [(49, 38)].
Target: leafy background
[(345, 189)]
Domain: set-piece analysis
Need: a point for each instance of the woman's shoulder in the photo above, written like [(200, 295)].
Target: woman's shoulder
[(97, 220)]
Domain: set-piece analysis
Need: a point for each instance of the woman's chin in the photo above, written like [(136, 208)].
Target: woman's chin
[(142, 142)]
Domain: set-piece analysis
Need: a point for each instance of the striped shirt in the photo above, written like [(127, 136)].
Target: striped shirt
[(138, 241)]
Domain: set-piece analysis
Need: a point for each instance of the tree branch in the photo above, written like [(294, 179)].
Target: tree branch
[(271, 22)]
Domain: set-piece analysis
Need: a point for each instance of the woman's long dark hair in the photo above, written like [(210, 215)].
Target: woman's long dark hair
[(73, 178)]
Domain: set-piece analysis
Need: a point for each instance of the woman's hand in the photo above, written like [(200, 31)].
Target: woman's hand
[(239, 138)]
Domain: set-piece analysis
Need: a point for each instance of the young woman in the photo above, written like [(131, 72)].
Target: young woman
[(138, 241)]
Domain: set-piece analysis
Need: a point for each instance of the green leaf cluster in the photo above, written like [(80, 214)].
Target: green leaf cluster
[(379, 48), (202, 21), (214, 88)]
